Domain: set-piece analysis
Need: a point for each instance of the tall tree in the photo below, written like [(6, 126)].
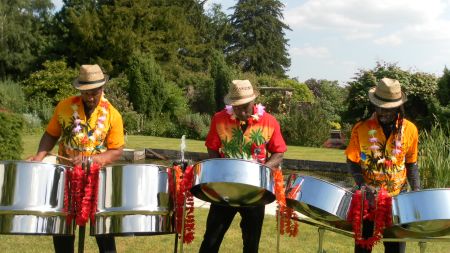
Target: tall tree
[(258, 42), (444, 88), (221, 74), (23, 37)]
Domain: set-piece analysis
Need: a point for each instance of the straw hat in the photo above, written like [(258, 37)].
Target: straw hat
[(91, 77), (240, 92), (387, 94)]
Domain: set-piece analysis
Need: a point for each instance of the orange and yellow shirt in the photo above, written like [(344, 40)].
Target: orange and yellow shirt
[(262, 136), (103, 130), (383, 160)]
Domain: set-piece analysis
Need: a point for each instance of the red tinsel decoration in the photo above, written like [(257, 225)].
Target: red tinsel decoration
[(381, 214), (288, 218), (84, 193), (183, 186)]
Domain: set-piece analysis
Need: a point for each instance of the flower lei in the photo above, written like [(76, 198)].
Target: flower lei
[(258, 111), (86, 140), (288, 218), (388, 162), (179, 185), (381, 215), (84, 188)]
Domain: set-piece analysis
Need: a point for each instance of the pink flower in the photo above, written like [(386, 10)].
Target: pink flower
[(396, 151), (260, 109), (77, 121), (374, 147), (77, 129), (229, 109), (398, 144), (373, 140), (102, 118)]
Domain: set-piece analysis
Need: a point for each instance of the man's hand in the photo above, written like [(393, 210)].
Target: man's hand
[(371, 194)]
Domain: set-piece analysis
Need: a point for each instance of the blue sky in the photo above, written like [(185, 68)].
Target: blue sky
[(333, 39)]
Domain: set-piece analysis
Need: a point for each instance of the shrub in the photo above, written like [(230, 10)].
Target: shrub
[(32, 123), (10, 136), (195, 126), (13, 98), (434, 157), (133, 122), (306, 126)]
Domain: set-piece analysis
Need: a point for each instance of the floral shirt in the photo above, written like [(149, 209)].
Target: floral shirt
[(102, 131), (383, 160), (262, 136)]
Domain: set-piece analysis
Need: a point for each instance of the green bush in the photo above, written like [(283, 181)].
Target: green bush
[(195, 126), (307, 126), (32, 123), (434, 157), (10, 136), (13, 98), (161, 126), (133, 122)]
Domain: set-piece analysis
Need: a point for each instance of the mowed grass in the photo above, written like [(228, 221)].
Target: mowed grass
[(30, 143), (306, 241)]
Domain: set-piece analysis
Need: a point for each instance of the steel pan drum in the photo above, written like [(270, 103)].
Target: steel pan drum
[(320, 200), (32, 199), (233, 182), (421, 214), (134, 199)]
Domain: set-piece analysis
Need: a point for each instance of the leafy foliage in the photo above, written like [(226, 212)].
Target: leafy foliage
[(257, 43), (13, 98), (51, 84), (10, 136), (444, 88), (23, 37), (221, 74)]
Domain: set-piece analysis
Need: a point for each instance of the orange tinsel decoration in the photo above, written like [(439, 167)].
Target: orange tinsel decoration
[(288, 218)]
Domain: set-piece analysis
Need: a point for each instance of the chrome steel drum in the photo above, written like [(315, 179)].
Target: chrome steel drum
[(420, 214), (134, 199), (320, 200), (32, 199), (233, 182)]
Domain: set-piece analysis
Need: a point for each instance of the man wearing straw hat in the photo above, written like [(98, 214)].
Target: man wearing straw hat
[(87, 126), (383, 150), (242, 130)]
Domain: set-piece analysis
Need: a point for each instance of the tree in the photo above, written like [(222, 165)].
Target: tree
[(258, 42), (221, 74), (330, 96), (23, 38), (444, 88)]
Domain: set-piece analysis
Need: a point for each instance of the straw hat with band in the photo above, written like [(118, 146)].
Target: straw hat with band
[(387, 94), (240, 92), (91, 77)]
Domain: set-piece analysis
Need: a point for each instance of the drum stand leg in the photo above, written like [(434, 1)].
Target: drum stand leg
[(182, 224), (422, 246), (175, 249), (321, 235), (278, 228)]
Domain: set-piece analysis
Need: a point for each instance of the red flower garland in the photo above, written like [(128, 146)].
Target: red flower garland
[(288, 218), (381, 215), (84, 190), (183, 184)]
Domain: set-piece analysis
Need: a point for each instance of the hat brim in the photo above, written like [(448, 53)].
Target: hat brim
[(89, 86), (384, 104), (233, 102)]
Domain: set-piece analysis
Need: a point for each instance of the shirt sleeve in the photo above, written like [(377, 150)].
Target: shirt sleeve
[(54, 126), (115, 138), (412, 153), (276, 143), (212, 139), (353, 150)]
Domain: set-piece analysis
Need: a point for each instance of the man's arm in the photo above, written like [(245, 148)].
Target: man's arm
[(274, 160), (413, 175), (45, 146)]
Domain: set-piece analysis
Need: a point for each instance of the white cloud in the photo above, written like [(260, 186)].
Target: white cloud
[(309, 51), (392, 39)]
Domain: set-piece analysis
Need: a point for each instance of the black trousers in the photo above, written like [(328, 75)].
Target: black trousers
[(65, 244), (389, 247), (219, 220)]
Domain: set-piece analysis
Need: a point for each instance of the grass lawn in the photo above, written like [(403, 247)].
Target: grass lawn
[(306, 241)]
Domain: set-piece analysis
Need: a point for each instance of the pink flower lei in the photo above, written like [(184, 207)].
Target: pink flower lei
[(82, 138), (258, 111)]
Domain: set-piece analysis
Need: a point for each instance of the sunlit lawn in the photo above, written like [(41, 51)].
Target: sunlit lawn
[(307, 240)]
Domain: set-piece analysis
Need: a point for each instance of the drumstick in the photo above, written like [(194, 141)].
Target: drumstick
[(60, 157)]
